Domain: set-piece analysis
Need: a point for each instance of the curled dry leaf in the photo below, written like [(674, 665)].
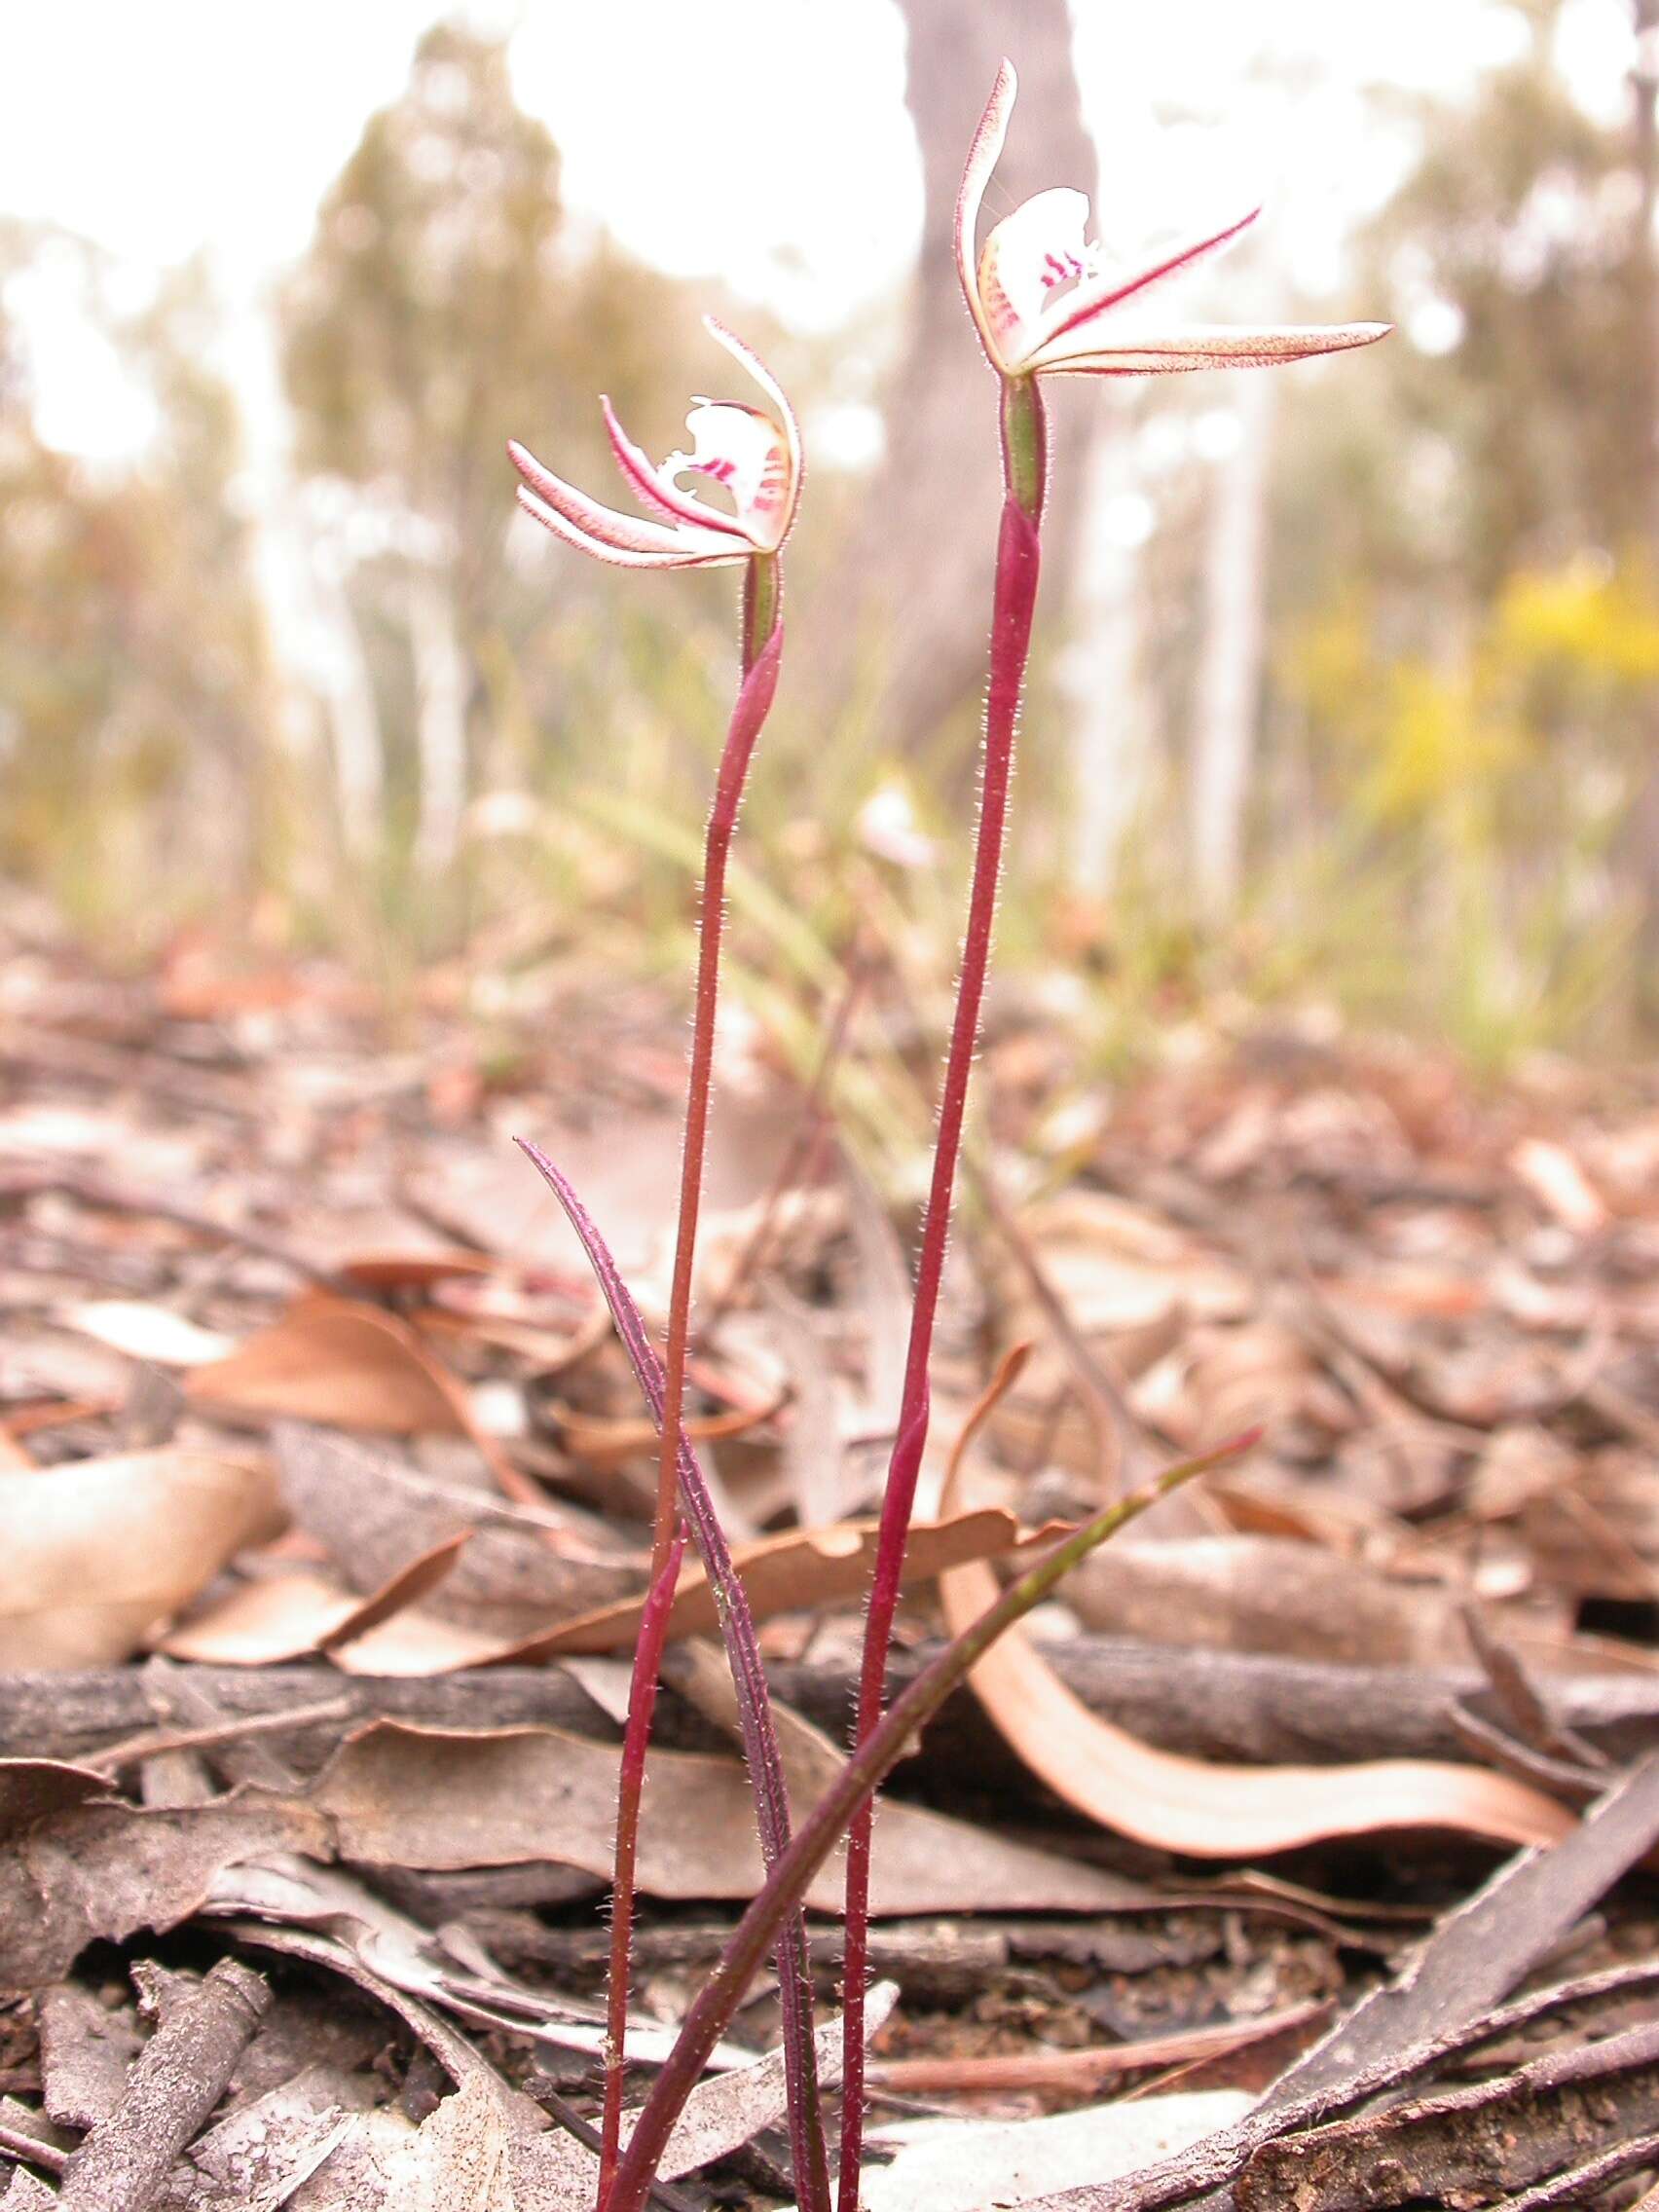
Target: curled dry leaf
[(791, 1573), (277, 1617), (105, 1868), (348, 1365), (99, 1551), (1213, 1810)]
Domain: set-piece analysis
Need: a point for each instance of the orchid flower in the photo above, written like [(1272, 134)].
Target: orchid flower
[(753, 456), (1048, 302), (1045, 304)]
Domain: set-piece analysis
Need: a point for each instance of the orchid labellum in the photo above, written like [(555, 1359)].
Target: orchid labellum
[(753, 454)]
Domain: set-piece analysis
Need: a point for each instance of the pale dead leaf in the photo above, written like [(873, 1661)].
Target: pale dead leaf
[(149, 1331), (329, 1918), (346, 1365), (1560, 1185), (523, 1564), (105, 1868), (1119, 1266), (1212, 1810), (458, 2159), (99, 1551), (916, 1851), (342, 1364), (961, 2166), (721, 2115), (440, 1799), (277, 1617), (797, 1570), (1250, 1592)]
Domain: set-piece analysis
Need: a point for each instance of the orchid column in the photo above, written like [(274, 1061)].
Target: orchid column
[(1044, 304), (756, 457)]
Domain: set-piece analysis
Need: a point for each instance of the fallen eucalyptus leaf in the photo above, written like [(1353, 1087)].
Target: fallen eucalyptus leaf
[(961, 2166), (436, 1800), (284, 1616), (1211, 1811), (99, 1551)]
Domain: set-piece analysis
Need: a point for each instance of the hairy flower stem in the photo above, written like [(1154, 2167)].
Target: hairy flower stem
[(823, 1828), (754, 1698), (630, 1785), (1019, 560), (762, 640), (763, 648)]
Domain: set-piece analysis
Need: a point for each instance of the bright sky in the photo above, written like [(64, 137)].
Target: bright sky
[(762, 140)]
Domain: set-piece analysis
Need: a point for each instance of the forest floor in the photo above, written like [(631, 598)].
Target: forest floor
[(330, 1504)]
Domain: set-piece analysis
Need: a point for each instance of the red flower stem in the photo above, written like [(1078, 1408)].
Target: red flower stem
[(1018, 562), (762, 651), (630, 1787), (763, 640), (823, 1828), (753, 1699)]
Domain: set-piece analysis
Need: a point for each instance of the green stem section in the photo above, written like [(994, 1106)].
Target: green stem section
[(824, 1827), (1025, 445), (763, 604)]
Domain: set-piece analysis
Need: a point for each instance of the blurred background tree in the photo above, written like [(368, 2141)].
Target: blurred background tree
[(1355, 695), (1466, 668), (446, 303), (133, 662)]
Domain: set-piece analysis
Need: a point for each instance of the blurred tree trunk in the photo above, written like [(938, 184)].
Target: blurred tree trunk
[(442, 685), (1644, 371), (1100, 675), (1230, 670), (915, 581)]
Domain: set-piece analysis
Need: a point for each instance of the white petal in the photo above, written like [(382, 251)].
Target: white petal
[(696, 550), (982, 158), (1151, 352), (1110, 282)]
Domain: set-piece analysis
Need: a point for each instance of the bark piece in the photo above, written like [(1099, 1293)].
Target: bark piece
[(1473, 2145), (1483, 1950), (85, 2049)]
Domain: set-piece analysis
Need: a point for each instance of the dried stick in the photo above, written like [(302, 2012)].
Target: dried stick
[(175, 2082)]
